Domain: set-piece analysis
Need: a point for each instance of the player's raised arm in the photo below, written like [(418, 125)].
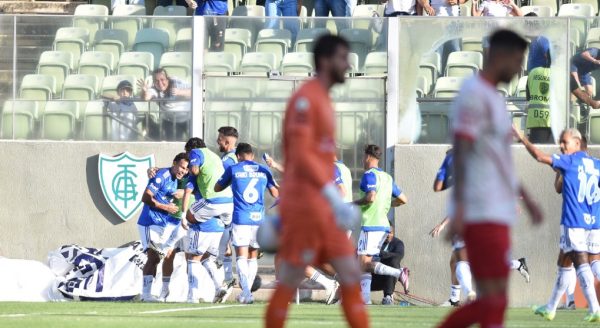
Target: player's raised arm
[(537, 154), (272, 185)]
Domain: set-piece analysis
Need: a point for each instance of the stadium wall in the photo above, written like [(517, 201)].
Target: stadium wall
[(51, 197)]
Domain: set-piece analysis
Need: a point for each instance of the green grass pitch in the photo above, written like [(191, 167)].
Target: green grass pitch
[(116, 315)]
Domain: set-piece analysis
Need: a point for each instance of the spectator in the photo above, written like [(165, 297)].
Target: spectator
[(392, 252), (115, 3), (539, 48), (582, 64), (215, 26), (123, 113), (174, 115), (496, 8), (286, 8), (165, 3), (337, 8), (538, 104), (402, 8)]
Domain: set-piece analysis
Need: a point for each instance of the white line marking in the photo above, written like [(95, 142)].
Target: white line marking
[(15, 315), (193, 309)]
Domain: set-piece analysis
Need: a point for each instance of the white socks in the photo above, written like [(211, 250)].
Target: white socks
[(586, 281), (515, 264), (365, 287), (147, 288), (455, 293), (321, 280), (385, 270), (193, 271), (572, 283), (166, 280), (463, 274), (562, 282), (213, 272), (228, 268), (252, 269), (242, 269)]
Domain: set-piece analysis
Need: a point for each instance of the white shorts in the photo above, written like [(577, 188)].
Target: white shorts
[(200, 242), (369, 242), (175, 237), (457, 243), (245, 236), (579, 240), (203, 210)]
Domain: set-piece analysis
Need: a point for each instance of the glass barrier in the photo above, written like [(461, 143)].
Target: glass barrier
[(432, 69)]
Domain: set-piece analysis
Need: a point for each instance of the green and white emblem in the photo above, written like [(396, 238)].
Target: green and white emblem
[(123, 180)]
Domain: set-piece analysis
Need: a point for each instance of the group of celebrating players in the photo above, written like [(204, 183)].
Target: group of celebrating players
[(316, 210)]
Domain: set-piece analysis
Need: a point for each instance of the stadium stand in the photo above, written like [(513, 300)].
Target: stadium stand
[(37, 87)]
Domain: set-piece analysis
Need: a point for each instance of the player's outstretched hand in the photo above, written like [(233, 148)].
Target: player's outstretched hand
[(435, 232), (152, 172), (171, 208), (184, 223)]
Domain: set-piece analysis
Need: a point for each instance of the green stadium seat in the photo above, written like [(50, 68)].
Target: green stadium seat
[(238, 41), (521, 87), (152, 40), (447, 87), (96, 125), (138, 64), (183, 41), (593, 38), (37, 87), (97, 63), (59, 120), (109, 84), (260, 63), (80, 87), (472, 44), (427, 84), (353, 60), (547, 3), (422, 86), (580, 25), (123, 18), (297, 64), (362, 15), (170, 11), (169, 24), (18, 116), (177, 64), (430, 66), (361, 42), (72, 39), (275, 41), (306, 38), (90, 17), (594, 126), (540, 11), (593, 3), (239, 19), (220, 63), (113, 41), (376, 63), (464, 63), (57, 64), (361, 88)]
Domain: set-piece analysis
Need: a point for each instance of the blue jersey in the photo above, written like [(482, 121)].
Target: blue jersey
[(445, 172), (248, 181), (581, 193), (337, 175), (229, 159), (214, 224), (211, 8), (163, 186), (583, 66)]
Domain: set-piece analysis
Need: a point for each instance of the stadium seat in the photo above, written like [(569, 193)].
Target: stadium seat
[(170, 11), (97, 63), (297, 64), (541, 11), (353, 60), (593, 3), (275, 41), (547, 3), (521, 87), (306, 38), (376, 63), (18, 118), (422, 86), (240, 19), (59, 119), (258, 62), (90, 17), (152, 40), (464, 63), (122, 19), (593, 38), (249, 11), (278, 89), (113, 41), (105, 3), (72, 39), (447, 87), (366, 11), (183, 41), (576, 10), (96, 124), (465, 10), (365, 88), (237, 41), (424, 81), (109, 84), (594, 126), (57, 64), (138, 64), (37, 87), (80, 87), (472, 44), (220, 63), (430, 66), (169, 24), (177, 64)]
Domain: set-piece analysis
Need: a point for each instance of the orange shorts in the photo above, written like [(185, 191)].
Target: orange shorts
[(311, 239)]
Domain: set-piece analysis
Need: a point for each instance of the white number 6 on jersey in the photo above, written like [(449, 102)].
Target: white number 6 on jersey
[(250, 193)]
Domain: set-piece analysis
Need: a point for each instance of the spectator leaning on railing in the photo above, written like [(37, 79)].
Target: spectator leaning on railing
[(174, 115)]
